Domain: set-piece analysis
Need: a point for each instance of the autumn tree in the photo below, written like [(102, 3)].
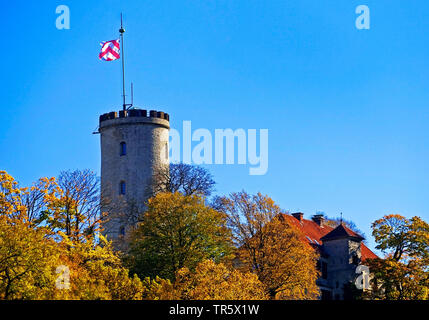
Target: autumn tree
[(31, 253), (30, 267), (81, 200), (214, 281), (177, 231), (97, 272), (158, 289), (404, 272), (36, 198), (270, 247), (209, 281), (74, 204), (27, 261)]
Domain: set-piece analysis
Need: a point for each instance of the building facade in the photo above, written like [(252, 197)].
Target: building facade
[(341, 251)]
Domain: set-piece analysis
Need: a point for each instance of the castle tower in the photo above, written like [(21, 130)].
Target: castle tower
[(343, 247), (134, 144)]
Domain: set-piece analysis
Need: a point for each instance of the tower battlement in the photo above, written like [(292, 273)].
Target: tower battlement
[(134, 113)]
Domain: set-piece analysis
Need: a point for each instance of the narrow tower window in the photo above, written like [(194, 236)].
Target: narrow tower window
[(122, 187), (123, 150), (324, 270)]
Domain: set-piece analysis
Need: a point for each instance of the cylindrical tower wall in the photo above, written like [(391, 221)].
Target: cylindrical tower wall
[(134, 144)]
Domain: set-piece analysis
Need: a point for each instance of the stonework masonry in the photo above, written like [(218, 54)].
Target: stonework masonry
[(344, 256), (133, 145)]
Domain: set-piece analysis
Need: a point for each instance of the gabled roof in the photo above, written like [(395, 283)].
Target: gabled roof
[(366, 253), (342, 232), (313, 234)]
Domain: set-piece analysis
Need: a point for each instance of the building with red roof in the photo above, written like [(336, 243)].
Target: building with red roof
[(341, 252)]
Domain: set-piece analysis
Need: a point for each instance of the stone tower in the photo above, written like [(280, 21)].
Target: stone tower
[(134, 144), (343, 247)]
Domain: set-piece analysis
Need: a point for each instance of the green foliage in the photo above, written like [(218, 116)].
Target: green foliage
[(178, 231), (404, 273)]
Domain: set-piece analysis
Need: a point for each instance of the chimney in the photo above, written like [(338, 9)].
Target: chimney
[(298, 215), (319, 219)]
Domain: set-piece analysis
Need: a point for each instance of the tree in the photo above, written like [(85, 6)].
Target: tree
[(178, 231), (27, 261), (404, 272), (30, 265), (70, 204), (11, 197), (404, 238), (74, 204), (209, 281), (81, 201), (97, 273), (212, 281), (270, 247), (35, 198), (158, 289), (184, 178), (27, 257), (31, 253)]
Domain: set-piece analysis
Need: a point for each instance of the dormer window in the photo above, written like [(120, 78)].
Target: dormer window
[(123, 149)]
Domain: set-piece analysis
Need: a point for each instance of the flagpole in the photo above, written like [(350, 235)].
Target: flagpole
[(121, 31)]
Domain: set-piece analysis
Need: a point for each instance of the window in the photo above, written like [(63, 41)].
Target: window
[(324, 270), (122, 231), (123, 149), (355, 259), (122, 187), (322, 266)]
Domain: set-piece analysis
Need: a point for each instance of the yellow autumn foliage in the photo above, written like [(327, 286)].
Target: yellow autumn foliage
[(209, 281), (212, 281), (271, 248), (49, 249), (31, 256)]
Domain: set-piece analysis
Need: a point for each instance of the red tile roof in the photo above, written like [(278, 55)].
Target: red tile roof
[(314, 233), (367, 253)]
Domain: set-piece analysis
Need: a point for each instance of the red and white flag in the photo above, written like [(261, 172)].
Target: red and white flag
[(109, 50)]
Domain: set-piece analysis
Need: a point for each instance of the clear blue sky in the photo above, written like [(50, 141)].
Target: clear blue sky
[(347, 110)]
